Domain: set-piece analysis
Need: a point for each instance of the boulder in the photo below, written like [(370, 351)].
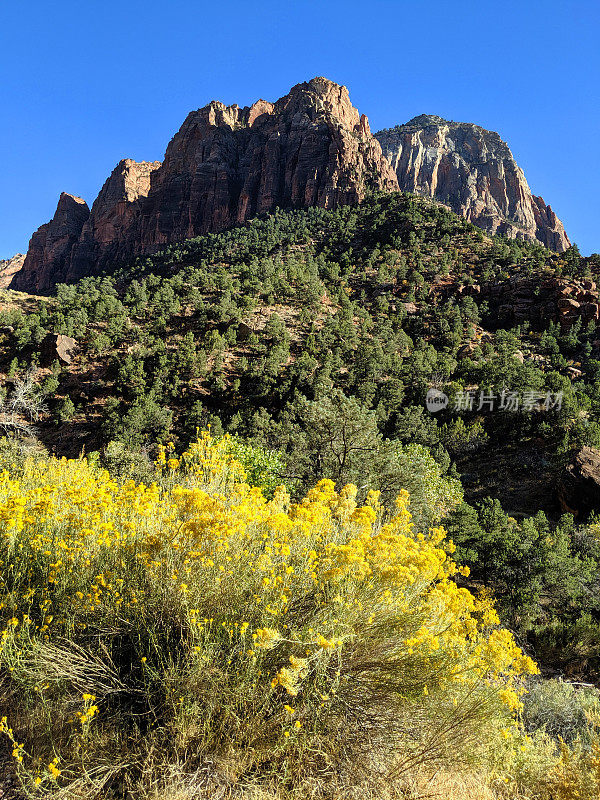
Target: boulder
[(579, 484), (243, 332), (58, 346), (591, 310)]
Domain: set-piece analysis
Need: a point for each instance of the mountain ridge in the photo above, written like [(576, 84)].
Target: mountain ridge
[(312, 147)]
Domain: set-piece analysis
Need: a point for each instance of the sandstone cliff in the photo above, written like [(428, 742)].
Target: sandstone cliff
[(106, 233), (48, 258), (473, 171), (225, 165), (9, 267)]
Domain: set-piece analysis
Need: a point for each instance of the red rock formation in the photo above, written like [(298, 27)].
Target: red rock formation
[(49, 256), (473, 171), (112, 218), (225, 165)]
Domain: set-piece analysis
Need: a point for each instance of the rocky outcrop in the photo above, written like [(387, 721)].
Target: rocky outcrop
[(549, 229), (9, 267), (105, 234), (225, 165), (48, 258), (473, 171), (539, 302), (228, 164), (58, 347), (579, 485)]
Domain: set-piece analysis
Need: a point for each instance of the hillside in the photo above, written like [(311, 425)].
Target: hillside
[(316, 339), (315, 336), (380, 302)]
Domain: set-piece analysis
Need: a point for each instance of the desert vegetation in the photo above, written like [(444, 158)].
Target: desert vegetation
[(330, 592), (193, 636)]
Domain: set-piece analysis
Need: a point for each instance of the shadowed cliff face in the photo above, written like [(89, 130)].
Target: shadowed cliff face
[(50, 250), (473, 171), (225, 165), (9, 267)]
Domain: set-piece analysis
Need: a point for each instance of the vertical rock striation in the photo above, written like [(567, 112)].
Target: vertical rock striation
[(473, 171), (225, 165)]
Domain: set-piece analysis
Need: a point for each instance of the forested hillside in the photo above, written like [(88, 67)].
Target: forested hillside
[(379, 302), (314, 339)]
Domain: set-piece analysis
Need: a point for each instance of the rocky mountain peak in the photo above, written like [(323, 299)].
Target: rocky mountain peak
[(423, 121), (320, 96), (312, 147), (71, 211), (225, 165), (129, 181), (51, 246), (473, 171)]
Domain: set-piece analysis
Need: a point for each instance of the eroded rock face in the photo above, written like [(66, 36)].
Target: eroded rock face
[(228, 164), (9, 267), (106, 233), (49, 255), (579, 485), (520, 299), (473, 171), (225, 165)]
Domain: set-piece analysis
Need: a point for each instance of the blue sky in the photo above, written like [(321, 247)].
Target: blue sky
[(84, 84)]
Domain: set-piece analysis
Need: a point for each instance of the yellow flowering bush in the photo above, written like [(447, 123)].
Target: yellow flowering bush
[(198, 620)]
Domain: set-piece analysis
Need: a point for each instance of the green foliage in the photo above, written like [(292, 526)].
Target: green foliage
[(263, 468), (316, 334), (66, 410)]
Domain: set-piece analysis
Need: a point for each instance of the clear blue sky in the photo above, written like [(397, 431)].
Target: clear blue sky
[(83, 84)]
